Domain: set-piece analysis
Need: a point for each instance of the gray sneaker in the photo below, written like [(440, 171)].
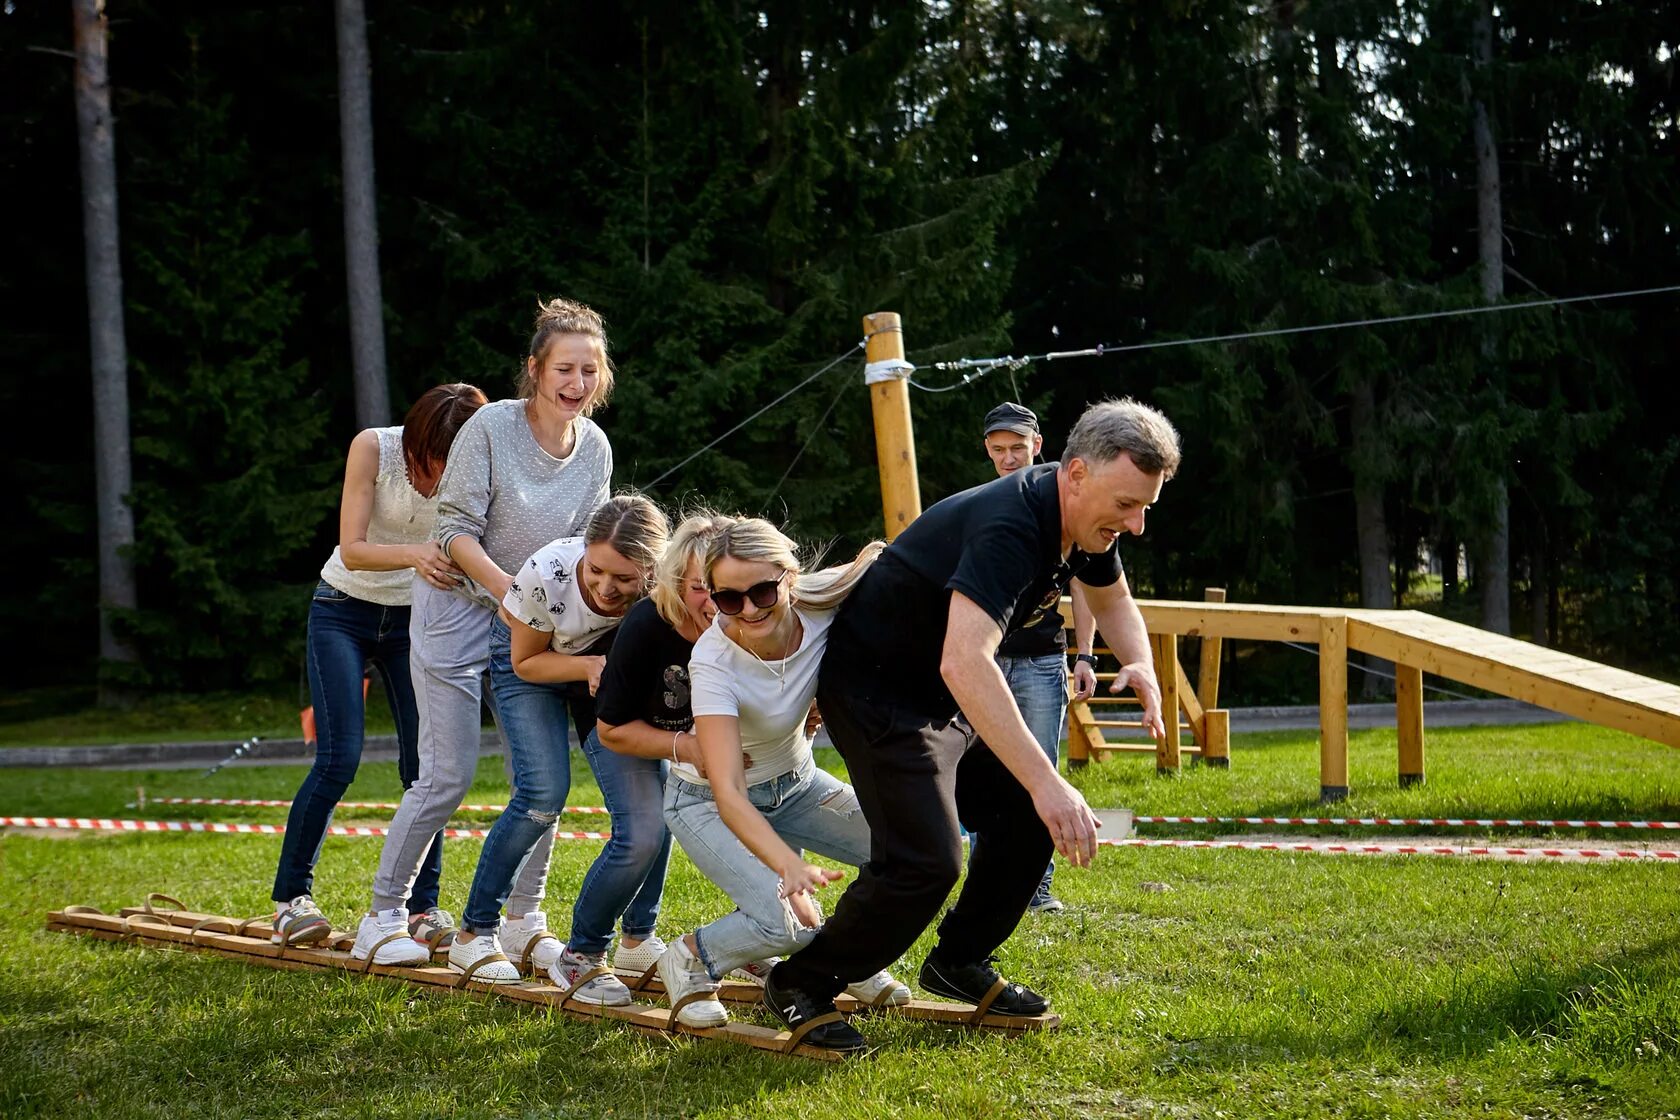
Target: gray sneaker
[(605, 990)]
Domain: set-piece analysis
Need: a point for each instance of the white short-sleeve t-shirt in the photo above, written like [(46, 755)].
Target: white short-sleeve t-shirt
[(770, 699), (545, 596)]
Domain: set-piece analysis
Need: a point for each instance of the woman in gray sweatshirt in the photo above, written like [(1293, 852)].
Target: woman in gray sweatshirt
[(521, 473)]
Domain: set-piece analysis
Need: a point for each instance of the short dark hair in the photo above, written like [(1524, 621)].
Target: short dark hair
[(430, 426)]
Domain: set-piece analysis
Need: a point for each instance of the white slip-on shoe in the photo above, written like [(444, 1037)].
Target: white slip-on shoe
[(604, 989), (385, 936), (639, 959), (300, 922), (481, 958), (880, 990), (528, 943), (689, 988)]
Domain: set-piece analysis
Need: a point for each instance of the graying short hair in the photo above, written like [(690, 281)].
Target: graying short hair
[(1109, 428)]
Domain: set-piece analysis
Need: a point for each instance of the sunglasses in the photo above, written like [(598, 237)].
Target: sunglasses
[(731, 601)]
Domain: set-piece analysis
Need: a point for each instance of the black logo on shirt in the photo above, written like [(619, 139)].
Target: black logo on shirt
[(676, 687)]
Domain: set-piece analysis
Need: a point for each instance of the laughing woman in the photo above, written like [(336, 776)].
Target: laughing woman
[(761, 800), (521, 474), (564, 599)]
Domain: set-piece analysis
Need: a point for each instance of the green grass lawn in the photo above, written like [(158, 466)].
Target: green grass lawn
[(1259, 984), (52, 717)]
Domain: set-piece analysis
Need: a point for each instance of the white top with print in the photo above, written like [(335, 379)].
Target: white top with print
[(545, 596)]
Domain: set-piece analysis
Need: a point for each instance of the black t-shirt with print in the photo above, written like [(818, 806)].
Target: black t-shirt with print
[(999, 544), (646, 677), (1048, 637)]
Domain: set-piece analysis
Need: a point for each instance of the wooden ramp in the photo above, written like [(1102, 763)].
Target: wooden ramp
[(1417, 643)]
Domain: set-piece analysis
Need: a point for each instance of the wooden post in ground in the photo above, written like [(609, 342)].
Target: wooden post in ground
[(1408, 710), (1165, 648), (1216, 722), (1332, 709), (889, 399)]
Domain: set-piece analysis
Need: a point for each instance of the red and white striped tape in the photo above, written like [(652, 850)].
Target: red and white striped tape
[(1329, 847), (105, 824), (1416, 822), (1326, 847), (391, 805)]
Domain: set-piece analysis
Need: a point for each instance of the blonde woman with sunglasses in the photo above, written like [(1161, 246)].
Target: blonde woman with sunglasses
[(747, 818)]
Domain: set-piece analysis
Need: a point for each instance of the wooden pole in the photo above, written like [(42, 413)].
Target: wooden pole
[(1167, 752), (889, 398), (1332, 709), (1408, 701)]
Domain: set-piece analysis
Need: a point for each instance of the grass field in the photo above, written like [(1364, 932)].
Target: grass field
[(1258, 984)]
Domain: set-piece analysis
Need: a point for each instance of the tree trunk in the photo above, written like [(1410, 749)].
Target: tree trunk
[(1375, 590), (1493, 569), (1539, 581), (108, 346), (361, 221), (1286, 75)]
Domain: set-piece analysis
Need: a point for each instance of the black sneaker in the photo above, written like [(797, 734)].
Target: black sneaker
[(970, 983), (796, 1008)]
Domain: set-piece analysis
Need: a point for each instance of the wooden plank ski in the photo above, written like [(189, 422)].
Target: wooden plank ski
[(734, 992), (209, 935)]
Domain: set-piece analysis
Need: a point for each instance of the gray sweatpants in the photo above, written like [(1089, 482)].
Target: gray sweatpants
[(449, 658)]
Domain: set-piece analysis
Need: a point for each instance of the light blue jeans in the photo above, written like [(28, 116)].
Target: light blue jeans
[(1039, 685), (796, 805), (628, 877)]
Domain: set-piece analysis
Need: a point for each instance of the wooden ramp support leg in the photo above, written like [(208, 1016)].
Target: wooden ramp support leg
[(1408, 704), (1332, 709), (1216, 722), (1165, 647)]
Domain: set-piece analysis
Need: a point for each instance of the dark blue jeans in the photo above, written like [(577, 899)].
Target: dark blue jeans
[(347, 634)]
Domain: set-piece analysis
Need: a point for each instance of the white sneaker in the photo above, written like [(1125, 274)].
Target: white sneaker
[(300, 922), (467, 951), (754, 972), (390, 927), (639, 959), (880, 990), (685, 975), (606, 990), (530, 933)]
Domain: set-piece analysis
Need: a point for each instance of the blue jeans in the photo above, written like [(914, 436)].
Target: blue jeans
[(1039, 685), (533, 719), (808, 808), (345, 635), (628, 877)]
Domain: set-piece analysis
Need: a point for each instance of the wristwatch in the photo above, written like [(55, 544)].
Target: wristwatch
[(1089, 659)]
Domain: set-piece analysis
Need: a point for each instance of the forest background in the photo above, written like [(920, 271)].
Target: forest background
[(734, 185)]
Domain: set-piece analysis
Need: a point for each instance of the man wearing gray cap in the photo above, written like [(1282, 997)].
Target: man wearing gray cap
[(1034, 660)]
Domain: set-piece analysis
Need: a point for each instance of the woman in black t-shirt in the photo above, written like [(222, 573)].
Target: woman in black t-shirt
[(642, 719)]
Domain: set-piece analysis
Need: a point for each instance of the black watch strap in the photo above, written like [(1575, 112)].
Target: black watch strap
[(1089, 658)]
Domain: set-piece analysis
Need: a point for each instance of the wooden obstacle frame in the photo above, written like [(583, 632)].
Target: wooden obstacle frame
[(162, 921)]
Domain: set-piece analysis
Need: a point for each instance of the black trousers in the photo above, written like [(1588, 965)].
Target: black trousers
[(915, 778)]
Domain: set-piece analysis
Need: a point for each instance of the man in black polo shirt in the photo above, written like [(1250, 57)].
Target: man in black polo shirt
[(1034, 658), (914, 644)]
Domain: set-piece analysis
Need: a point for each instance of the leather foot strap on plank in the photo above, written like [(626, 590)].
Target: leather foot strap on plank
[(400, 935), (798, 1036), (986, 1001), (572, 1004), (691, 997), (644, 982), (159, 896), (527, 962), (468, 972), (213, 924)]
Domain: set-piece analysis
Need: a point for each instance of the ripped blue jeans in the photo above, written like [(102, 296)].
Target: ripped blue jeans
[(533, 718), (809, 809)]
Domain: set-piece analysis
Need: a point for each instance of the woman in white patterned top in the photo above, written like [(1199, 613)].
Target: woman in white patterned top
[(360, 615), (522, 472)]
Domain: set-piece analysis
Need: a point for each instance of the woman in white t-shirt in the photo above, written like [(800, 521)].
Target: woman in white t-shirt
[(761, 800), (561, 603)]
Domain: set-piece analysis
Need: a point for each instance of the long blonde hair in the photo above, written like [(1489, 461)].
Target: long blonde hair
[(635, 528), (688, 542), (753, 538)]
